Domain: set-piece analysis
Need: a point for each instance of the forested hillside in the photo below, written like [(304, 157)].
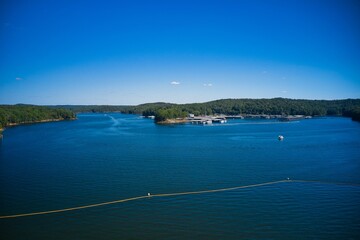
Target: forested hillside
[(274, 106), (19, 114), (145, 109)]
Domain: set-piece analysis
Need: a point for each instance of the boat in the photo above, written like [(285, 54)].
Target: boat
[(281, 137)]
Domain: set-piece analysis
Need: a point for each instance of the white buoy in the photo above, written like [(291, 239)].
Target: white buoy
[(149, 194), (281, 137)]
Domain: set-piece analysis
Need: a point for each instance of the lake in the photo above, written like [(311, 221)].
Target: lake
[(106, 157)]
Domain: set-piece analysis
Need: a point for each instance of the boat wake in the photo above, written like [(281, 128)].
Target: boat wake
[(114, 120)]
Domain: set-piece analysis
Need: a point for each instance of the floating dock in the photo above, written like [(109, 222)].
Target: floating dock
[(205, 120)]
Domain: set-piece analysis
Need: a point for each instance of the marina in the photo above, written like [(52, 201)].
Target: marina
[(207, 120)]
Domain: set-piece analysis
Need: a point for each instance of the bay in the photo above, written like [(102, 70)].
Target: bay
[(105, 157)]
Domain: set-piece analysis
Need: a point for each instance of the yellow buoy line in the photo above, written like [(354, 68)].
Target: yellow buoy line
[(149, 195)]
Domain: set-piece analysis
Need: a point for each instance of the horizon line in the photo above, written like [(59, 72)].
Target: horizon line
[(304, 99)]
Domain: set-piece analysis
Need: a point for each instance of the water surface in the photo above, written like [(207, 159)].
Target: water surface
[(104, 157)]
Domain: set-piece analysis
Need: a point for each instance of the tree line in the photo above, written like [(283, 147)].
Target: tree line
[(274, 106), (18, 114)]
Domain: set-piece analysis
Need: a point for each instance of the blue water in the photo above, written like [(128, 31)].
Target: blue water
[(104, 157)]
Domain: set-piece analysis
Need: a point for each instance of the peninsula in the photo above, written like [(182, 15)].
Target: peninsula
[(12, 115)]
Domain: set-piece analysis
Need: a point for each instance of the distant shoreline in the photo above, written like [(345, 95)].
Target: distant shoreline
[(219, 118), (173, 121), (21, 114), (34, 122), (40, 121)]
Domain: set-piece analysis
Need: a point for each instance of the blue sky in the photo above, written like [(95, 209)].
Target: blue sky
[(132, 52)]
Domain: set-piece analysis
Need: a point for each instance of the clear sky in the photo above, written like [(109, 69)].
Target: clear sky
[(132, 52)]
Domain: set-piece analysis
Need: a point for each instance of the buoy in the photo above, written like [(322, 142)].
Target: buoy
[(281, 137), (149, 194)]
